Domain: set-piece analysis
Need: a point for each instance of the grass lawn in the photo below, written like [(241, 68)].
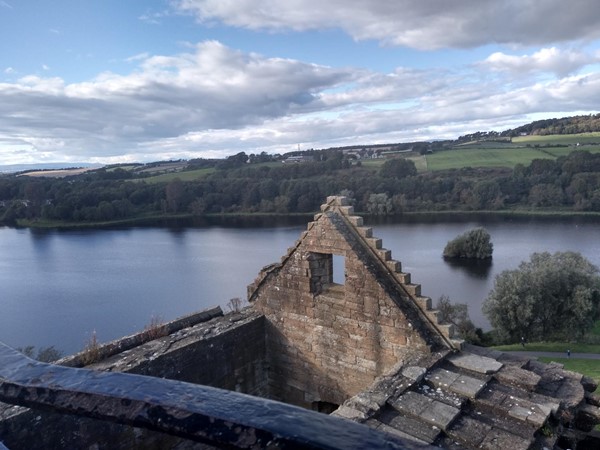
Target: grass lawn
[(560, 347), (589, 367)]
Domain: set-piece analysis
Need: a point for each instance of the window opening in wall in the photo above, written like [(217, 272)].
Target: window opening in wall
[(324, 407), (339, 269)]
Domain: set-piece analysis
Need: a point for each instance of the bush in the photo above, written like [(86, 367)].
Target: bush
[(552, 297), (474, 244), (458, 315)]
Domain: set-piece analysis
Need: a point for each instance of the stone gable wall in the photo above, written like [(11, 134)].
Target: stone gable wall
[(327, 342)]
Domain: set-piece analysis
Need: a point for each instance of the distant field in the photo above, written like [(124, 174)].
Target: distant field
[(129, 167), (582, 138), (189, 175), (484, 157), (57, 173)]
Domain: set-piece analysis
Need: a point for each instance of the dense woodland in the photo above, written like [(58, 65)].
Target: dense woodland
[(236, 186), (245, 184)]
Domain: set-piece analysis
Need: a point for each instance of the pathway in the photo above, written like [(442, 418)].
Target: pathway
[(555, 354)]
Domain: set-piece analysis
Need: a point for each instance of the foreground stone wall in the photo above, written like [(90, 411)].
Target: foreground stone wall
[(227, 352), (327, 341)]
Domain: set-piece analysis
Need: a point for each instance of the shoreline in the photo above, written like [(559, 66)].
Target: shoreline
[(166, 220)]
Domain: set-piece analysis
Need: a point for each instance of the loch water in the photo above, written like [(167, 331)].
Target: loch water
[(58, 286)]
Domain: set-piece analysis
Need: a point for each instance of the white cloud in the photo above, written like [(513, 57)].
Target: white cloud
[(413, 23), (213, 88), (154, 17), (554, 60), (213, 101), (9, 71), (138, 57), (45, 67)]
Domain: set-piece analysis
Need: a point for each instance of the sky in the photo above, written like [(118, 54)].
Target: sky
[(117, 81)]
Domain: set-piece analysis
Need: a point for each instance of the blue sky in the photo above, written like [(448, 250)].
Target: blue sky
[(109, 81)]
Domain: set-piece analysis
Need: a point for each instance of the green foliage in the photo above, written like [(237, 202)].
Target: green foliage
[(552, 296), (473, 244), (379, 204), (398, 167), (458, 315), (563, 184)]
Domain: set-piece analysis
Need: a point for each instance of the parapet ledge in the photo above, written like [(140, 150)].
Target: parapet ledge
[(120, 345), (126, 361)]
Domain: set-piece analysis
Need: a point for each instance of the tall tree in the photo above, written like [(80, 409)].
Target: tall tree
[(552, 296)]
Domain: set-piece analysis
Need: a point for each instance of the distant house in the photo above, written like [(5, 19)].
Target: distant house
[(298, 159)]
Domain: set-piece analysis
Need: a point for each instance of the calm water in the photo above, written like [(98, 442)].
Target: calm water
[(58, 286)]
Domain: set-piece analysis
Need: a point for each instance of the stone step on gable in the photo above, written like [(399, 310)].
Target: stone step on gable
[(365, 232), (433, 314), (414, 289), (375, 243), (394, 266), (424, 303)]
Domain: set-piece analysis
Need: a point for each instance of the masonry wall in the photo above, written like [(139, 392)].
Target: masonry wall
[(228, 352), (326, 342)]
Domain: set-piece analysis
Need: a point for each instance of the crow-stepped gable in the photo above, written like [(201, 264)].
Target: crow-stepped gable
[(327, 340)]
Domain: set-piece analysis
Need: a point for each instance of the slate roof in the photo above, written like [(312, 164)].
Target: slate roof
[(480, 398)]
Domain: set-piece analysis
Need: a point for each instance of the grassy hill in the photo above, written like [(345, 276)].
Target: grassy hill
[(521, 150)]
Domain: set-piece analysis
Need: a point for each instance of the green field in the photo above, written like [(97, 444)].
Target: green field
[(189, 175), (484, 157), (522, 150), (488, 154), (559, 139)]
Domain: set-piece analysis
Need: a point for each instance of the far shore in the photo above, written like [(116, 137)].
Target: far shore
[(153, 220)]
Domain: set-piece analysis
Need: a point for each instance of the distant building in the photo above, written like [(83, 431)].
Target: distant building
[(298, 159)]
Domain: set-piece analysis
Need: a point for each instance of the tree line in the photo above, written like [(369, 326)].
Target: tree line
[(236, 186)]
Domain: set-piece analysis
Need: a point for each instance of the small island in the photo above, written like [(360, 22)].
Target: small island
[(473, 244)]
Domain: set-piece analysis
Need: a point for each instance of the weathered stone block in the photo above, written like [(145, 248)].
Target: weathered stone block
[(366, 232), (475, 363)]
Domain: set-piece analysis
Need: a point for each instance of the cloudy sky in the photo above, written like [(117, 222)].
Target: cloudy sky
[(123, 80)]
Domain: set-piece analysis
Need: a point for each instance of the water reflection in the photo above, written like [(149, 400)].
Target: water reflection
[(475, 268), (57, 286)]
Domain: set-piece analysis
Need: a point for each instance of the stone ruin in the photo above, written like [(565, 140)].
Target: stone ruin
[(364, 346)]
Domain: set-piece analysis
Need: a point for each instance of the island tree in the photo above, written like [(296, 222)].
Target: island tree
[(473, 244)]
